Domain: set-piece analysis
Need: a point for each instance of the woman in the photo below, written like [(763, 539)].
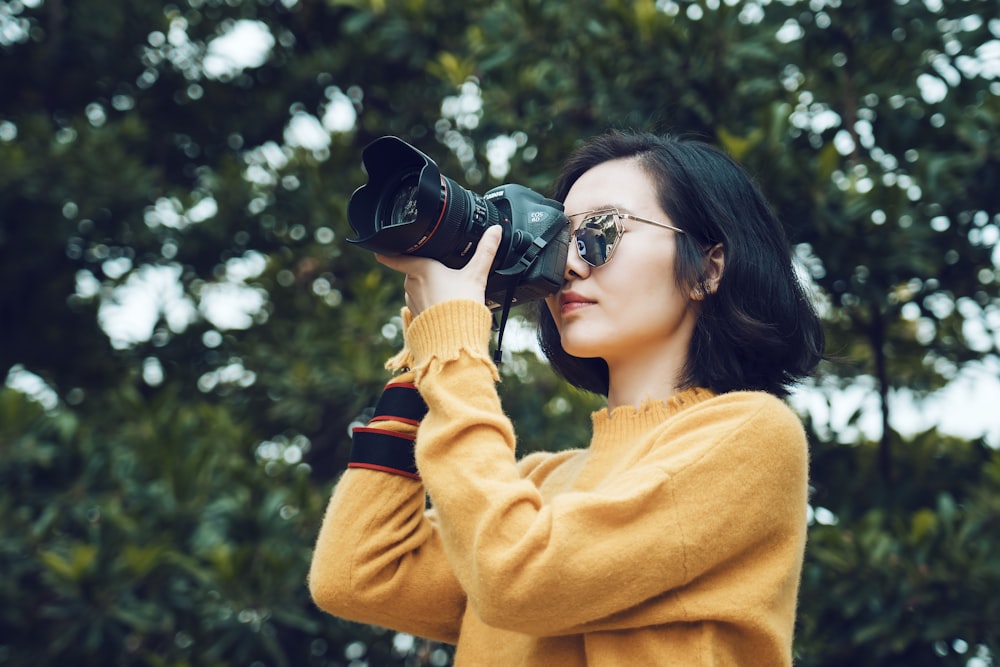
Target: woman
[(677, 536)]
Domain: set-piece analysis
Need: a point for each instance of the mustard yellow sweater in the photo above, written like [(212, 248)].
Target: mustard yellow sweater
[(675, 538)]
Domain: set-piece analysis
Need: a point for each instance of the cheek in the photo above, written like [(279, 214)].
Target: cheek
[(646, 266), (647, 279)]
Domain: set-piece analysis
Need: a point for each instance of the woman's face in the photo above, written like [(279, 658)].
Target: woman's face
[(630, 308)]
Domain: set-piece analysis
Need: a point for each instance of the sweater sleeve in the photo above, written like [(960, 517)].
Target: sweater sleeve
[(589, 560), (378, 557)]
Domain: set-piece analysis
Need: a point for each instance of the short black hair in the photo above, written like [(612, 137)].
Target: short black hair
[(758, 330)]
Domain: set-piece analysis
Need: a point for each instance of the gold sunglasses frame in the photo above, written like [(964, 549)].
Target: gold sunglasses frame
[(619, 225)]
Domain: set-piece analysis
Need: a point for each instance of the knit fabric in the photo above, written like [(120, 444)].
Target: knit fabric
[(675, 538)]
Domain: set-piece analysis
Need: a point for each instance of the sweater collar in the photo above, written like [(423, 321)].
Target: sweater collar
[(627, 422)]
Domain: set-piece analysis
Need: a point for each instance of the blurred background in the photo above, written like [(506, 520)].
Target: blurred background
[(186, 337)]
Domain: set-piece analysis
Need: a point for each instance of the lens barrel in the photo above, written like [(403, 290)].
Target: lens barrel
[(409, 208)]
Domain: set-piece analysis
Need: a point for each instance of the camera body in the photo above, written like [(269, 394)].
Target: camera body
[(409, 208)]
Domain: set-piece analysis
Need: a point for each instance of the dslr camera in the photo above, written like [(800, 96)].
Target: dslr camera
[(409, 208)]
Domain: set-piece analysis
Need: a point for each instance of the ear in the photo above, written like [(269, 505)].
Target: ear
[(714, 265)]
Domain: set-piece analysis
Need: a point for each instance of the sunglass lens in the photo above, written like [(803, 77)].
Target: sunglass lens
[(596, 238)]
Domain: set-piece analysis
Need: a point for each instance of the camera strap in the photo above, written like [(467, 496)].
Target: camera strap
[(528, 258), (508, 301)]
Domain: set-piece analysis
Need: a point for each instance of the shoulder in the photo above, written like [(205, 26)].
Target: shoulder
[(743, 410), (745, 427)]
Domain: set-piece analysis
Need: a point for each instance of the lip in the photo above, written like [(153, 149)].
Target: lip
[(571, 301)]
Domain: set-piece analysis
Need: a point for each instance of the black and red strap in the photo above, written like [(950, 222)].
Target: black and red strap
[(387, 451), (383, 449), (400, 401)]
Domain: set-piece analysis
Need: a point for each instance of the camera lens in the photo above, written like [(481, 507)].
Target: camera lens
[(409, 208), (404, 205)]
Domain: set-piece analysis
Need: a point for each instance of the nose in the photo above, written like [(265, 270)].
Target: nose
[(576, 268)]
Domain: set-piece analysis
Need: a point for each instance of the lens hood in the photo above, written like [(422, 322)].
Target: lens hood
[(395, 167)]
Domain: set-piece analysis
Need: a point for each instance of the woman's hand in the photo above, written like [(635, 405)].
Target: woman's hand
[(429, 282)]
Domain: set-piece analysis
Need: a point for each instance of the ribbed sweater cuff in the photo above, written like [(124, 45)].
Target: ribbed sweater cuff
[(445, 330)]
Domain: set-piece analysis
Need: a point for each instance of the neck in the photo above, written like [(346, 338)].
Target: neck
[(633, 381)]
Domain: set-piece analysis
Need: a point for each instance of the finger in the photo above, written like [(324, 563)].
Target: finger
[(400, 263), (486, 251)]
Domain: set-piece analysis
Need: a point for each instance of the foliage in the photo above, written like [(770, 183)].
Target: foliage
[(163, 488), (156, 542), (907, 578)]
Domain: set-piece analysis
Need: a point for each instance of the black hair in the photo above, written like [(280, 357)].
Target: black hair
[(758, 329)]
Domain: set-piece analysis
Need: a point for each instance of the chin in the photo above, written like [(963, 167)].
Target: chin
[(581, 350)]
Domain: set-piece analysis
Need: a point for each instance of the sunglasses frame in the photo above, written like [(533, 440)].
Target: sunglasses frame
[(618, 217)]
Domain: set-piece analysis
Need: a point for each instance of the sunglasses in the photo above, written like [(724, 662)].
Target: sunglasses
[(601, 230)]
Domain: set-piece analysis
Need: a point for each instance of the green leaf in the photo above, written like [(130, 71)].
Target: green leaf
[(72, 566)]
